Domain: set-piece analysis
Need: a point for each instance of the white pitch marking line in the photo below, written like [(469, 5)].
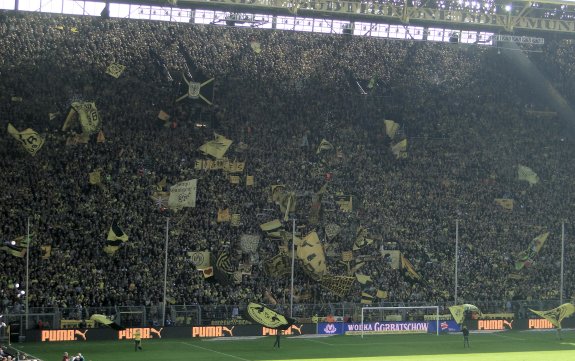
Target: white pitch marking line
[(221, 353), (316, 341), (24, 352), (511, 337)]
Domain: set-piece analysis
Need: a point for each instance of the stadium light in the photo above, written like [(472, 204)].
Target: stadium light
[(508, 7)]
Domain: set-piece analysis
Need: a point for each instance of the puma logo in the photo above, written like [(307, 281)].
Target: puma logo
[(81, 334), (230, 331), (159, 333), (297, 328), (508, 324)]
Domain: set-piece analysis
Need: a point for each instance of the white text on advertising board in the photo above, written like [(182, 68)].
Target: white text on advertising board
[(387, 327)]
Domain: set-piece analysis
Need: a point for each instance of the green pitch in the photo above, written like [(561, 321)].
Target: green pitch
[(508, 346)]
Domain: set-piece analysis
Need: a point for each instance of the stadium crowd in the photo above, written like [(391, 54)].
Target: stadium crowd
[(458, 106)]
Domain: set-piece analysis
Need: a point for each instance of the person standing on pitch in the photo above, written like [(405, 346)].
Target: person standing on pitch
[(465, 337), (137, 340), (278, 336)]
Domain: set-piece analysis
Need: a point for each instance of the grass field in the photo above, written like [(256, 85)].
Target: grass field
[(508, 346)]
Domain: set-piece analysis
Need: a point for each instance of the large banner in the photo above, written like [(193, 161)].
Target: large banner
[(183, 194)]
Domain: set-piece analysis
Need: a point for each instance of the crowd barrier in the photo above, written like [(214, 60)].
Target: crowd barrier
[(325, 328)]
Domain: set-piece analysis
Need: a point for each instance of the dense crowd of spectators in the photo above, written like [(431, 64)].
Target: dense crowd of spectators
[(458, 106)]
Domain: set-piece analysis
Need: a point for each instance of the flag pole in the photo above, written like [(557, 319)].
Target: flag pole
[(27, 267), (292, 266), (562, 261), (456, 256), (165, 273)]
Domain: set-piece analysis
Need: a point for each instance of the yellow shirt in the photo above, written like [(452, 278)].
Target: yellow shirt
[(137, 336)]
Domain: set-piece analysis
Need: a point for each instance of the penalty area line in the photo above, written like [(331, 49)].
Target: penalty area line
[(218, 352)]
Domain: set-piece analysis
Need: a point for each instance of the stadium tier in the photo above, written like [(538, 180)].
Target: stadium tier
[(147, 161)]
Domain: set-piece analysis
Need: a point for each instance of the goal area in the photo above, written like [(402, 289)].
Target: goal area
[(411, 319)]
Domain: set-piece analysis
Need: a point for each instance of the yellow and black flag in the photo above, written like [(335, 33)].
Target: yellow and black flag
[(18, 246), (556, 315), (391, 128), (223, 269), (277, 266), (115, 70), (106, 322), (366, 298), (267, 317), (218, 147), (410, 270), (115, 238), (88, 115), (46, 251), (324, 145), (29, 138), (458, 311), (400, 149)]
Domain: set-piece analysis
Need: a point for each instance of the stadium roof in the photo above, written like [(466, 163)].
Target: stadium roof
[(494, 15)]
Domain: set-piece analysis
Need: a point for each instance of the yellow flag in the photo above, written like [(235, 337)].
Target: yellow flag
[(95, 178), (411, 272), (162, 115), (363, 279), (323, 145), (234, 179), (458, 311), (505, 203), (381, 294), (366, 298), (391, 128), (217, 147), (29, 138), (339, 285), (345, 202), (110, 250), (46, 251), (527, 174), (223, 215), (256, 47), (525, 258), (249, 180), (346, 256), (312, 255), (200, 259), (270, 226), (400, 149), (556, 315), (115, 70)]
